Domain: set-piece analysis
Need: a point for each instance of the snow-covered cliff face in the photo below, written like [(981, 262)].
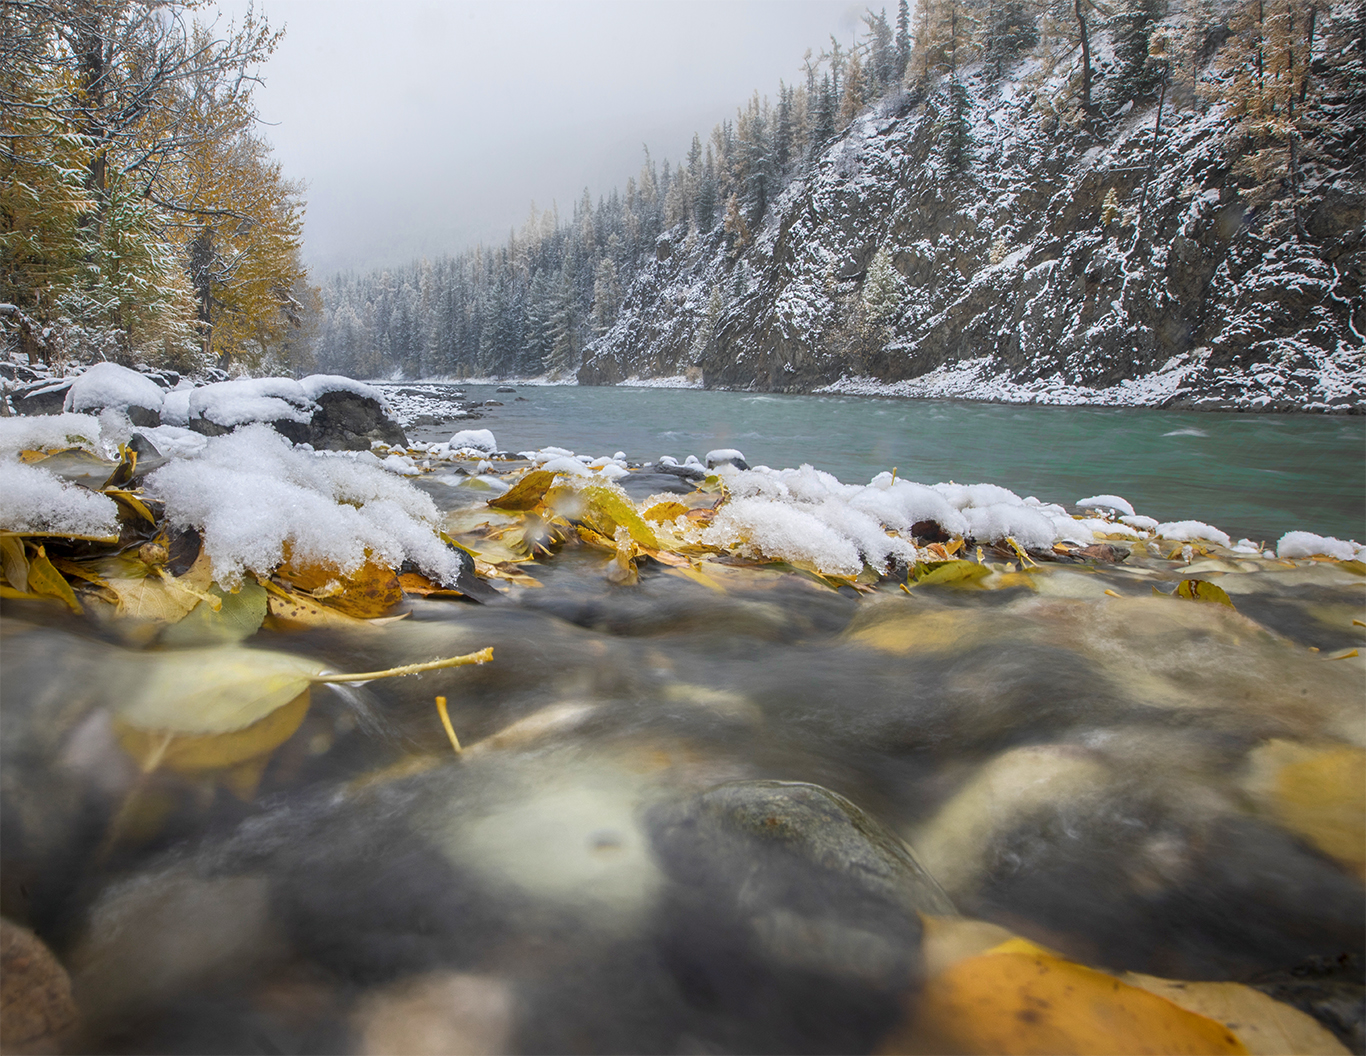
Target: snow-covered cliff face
[(1059, 265)]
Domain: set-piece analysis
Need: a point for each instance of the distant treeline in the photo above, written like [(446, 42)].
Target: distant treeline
[(537, 302)]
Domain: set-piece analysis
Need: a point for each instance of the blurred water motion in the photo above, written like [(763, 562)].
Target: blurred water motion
[(693, 821)]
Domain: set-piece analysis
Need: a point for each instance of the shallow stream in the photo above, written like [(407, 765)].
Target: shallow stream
[(721, 812)]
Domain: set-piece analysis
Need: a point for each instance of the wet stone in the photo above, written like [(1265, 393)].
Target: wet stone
[(791, 912)]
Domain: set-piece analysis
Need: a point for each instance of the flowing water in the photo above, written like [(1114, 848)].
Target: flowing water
[(728, 813), (1254, 475)]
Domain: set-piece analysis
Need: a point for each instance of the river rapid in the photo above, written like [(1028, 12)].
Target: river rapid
[(731, 806)]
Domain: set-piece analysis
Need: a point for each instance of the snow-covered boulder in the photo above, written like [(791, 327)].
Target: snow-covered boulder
[(108, 385)]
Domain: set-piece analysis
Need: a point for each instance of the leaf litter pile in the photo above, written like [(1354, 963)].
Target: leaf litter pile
[(463, 752)]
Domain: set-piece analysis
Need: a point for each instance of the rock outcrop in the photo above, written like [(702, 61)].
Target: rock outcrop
[(1060, 264)]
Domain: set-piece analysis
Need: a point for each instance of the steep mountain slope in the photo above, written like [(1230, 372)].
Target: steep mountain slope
[(1059, 264)]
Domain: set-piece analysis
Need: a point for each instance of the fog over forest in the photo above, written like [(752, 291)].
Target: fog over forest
[(423, 128)]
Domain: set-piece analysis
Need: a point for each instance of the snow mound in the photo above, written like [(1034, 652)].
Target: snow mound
[(110, 385), (1191, 532), (725, 454), (1144, 524), (243, 400), (474, 440), (34, 500), (315, 385), (1107, 502), (48, 432), (251, 492), (1307, 544)]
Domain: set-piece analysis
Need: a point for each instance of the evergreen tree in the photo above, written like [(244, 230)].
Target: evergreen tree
[(903, 38), (1010, 28)]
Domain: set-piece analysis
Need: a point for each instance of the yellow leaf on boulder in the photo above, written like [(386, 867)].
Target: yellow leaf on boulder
[(369, 591), (1019, 999), (1267, 1027)]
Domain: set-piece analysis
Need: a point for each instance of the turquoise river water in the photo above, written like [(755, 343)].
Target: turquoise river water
[(1254, 475)]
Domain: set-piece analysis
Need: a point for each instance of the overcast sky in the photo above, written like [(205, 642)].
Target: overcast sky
[(425, 126)]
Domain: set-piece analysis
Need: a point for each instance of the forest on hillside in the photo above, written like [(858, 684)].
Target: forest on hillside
[(1278, 72), (143, 219)]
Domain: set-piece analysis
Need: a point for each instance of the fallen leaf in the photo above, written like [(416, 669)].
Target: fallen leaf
[(1201, 590), (369, 591), (1266, 1027), (193, 753), (15, 563), (527, 493), (420, 585), (288, 611), (1018, 998), (37, 1013), (238, 616), (1317, 791), (44, 579), (662, 512), (151, 598), (943, 572)]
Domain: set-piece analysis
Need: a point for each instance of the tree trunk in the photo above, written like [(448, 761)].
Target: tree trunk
[(1080, 9)]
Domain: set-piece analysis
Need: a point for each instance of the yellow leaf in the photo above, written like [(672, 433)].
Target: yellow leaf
[(527, 493), (14, 562), (961, 572), (192, 753), (420, 585), (289, 611), (238, 616), (1267, 1027), (213, 691), (1019, 998), (1358, 567), (662, 512), (1316, 791), (604, 506), (150, 598), (44, 579), (369, 591), (127, 498), (1202, 590)]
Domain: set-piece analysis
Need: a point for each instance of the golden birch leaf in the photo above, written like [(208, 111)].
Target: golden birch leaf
[(663, 512), (1317, 791), (527, 493), (1202, 590), (151, 598), (1267, 1027), (14, 562), (213, 691), (193, 753), (959, 572), (289, 611), (44, 579), (1018, 998)]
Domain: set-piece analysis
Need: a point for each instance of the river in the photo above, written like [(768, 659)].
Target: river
[(1253, 475), (718, 804)]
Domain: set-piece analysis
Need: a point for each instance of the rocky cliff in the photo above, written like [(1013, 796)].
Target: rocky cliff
[(1061, 261)]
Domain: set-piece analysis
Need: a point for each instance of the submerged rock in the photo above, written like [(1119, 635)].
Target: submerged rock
[(793, 912)]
